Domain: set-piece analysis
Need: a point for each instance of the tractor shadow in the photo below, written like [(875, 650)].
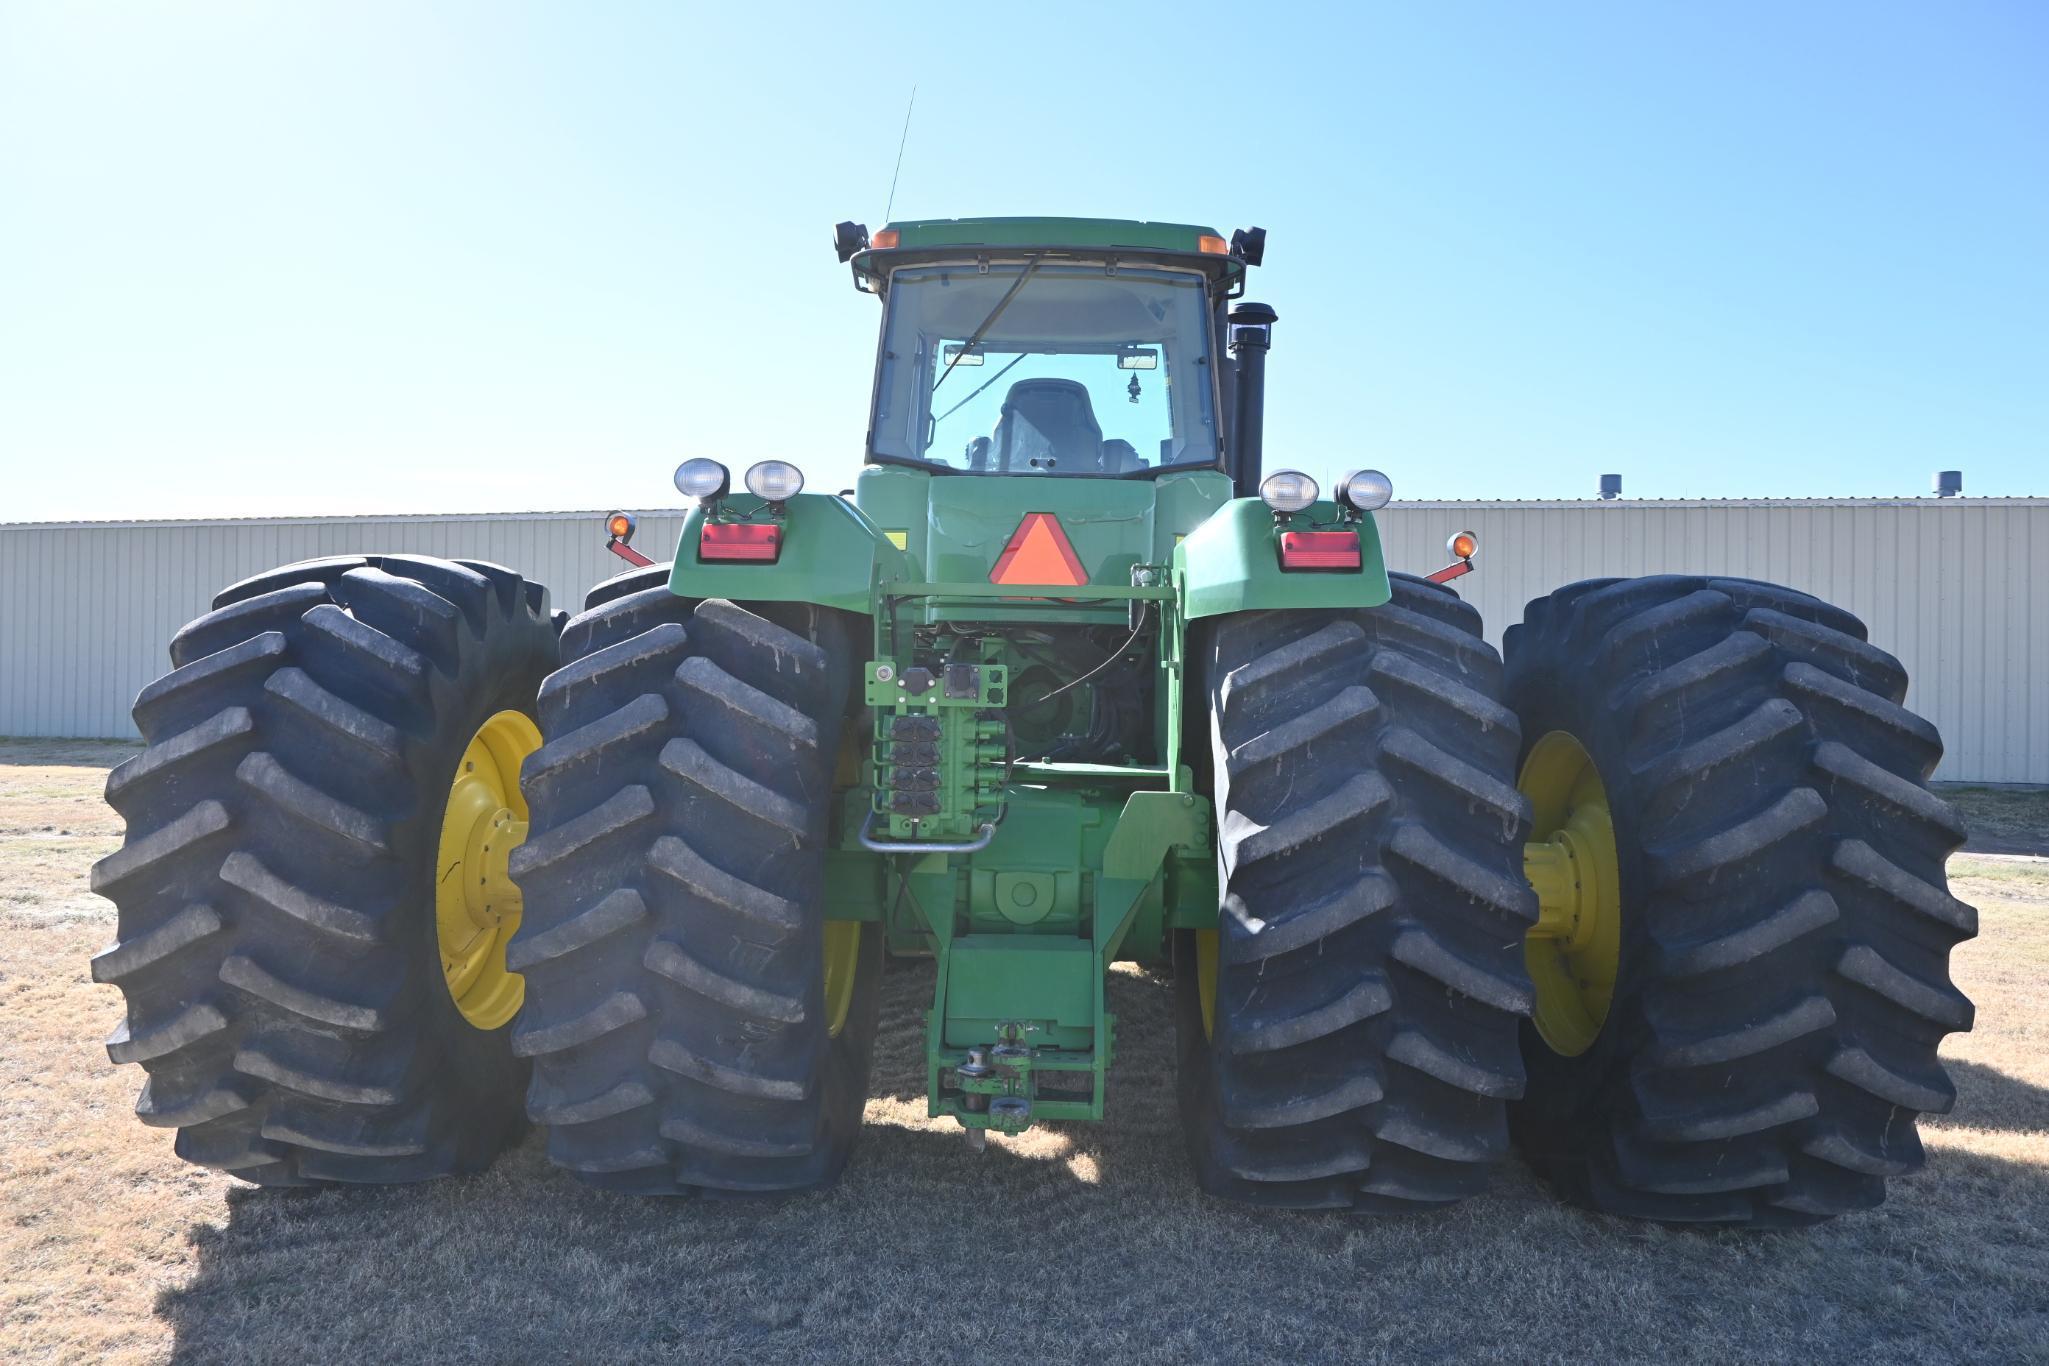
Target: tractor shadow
[(1989, 1099), (2001, 820), (1080, 1241)]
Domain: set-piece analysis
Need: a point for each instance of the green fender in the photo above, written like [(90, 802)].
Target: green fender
[(831, 555), (1231, 563)]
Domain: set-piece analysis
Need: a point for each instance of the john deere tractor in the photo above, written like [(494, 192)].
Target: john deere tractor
[(1068, 679)]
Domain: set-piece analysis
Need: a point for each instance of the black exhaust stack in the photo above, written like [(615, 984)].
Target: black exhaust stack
[(1251, 335)]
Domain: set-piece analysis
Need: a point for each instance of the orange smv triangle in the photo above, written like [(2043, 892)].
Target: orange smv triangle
[(1039, 553)]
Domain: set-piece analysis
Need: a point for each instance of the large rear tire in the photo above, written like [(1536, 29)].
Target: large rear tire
[(277, 938), (1358, 1043), (676, 953), (1782, 979)]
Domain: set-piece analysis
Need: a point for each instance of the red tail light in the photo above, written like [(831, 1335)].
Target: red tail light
[(1319, 550), (740, 541)]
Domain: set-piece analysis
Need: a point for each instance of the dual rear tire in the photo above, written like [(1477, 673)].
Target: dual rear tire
[(303, 989), (694, 1024), (278, 946), (1747, 1036), (1350, 1040), (1780, 984)]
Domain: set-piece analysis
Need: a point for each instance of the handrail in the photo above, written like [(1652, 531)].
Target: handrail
[(983, 834)]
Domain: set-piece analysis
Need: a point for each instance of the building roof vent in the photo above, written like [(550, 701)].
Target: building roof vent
[(1949, 483), (1611, 486)]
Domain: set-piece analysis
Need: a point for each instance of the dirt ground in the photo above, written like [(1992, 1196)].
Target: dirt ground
[(1078, 1242)]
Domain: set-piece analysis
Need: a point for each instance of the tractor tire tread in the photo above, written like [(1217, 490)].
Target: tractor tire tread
[(680, 802), (1367, 997), (269, 890), (1774, 1032)]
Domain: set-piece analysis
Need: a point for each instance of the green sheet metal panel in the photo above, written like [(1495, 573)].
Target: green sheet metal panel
[(994, 978), (1231, 563), (831, 554)]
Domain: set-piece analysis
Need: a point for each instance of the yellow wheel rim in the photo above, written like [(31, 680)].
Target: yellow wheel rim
[(842, 965), (476, 904), (842, 937), (1573, 949), (1206, 979)]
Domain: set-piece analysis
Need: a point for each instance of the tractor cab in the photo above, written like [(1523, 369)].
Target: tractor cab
[(1050, 348), (1048, 371)]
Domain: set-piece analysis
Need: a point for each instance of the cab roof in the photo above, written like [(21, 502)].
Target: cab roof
[(923, 239), (1029, 233)]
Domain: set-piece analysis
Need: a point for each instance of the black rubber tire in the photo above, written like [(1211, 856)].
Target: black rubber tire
[(1783, 979), (1370, 974), (673, 937), (277, 943)]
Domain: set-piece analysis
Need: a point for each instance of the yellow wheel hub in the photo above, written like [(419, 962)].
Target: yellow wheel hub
[(1574, 947), (476, 904)]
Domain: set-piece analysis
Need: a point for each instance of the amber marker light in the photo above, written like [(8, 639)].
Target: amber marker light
[(620, 524), (1462, 545), (1212, 246), (884, 239)]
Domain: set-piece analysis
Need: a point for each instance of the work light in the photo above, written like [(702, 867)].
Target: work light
[(1365, 490), (702, 479), (1287, 490), (774, 480)]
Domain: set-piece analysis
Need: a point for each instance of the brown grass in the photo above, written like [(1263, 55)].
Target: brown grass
[(1085, 1242)]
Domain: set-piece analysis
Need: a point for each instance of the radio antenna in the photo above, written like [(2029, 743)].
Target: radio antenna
[(900, 153)]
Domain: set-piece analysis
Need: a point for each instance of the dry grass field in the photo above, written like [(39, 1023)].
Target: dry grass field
[(1072, 1243)]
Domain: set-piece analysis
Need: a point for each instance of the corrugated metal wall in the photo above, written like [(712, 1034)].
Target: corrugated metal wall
[(87, 610), (1959, 589)]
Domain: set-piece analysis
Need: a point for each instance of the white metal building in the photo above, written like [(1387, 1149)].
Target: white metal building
[(1958, 588)]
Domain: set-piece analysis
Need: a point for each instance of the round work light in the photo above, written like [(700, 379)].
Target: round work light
[(774, 480), (1287, 490), (1365, 490), (702, 479)]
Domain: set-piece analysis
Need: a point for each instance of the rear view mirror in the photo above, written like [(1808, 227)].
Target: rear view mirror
[(960, 355), (1138, 360)]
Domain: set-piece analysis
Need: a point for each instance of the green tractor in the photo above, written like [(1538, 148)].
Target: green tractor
[(1069, 679)]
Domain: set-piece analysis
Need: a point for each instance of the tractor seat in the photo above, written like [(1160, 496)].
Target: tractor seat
[(1050, 421)]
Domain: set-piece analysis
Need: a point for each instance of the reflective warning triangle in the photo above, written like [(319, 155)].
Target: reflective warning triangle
[(1039, 553)]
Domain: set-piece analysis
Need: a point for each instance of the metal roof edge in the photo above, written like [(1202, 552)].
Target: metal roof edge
[(1662, 504), (597, 515)]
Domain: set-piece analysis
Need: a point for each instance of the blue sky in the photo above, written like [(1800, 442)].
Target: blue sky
[(267, 258)]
